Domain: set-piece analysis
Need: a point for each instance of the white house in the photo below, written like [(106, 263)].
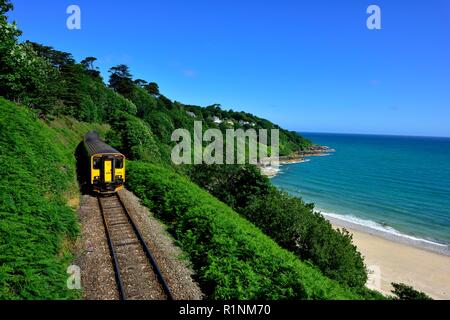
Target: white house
[(217, 120)]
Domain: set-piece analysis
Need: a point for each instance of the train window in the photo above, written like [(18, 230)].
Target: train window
[(97, 163), (119, 163)]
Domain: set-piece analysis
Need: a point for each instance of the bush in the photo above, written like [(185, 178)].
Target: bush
[(405, 292), (235, 185), (134, 138), (295, 226), (286, 219), (87, 99), (231, 257)]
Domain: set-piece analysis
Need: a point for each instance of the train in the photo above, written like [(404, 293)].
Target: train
[(105, 166)]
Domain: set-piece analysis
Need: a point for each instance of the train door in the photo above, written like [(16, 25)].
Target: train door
[(108, 170)]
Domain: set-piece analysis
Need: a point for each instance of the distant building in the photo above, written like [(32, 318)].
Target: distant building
[(191, 114), (217, 120)]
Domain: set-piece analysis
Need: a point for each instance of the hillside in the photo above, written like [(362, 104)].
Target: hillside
[(245, 238), (38, 224), (38, 198)]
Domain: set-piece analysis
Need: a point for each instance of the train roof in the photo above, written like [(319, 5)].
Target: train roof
[(94, 145)]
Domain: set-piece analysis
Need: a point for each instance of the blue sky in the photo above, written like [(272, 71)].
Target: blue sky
[(306, 65)]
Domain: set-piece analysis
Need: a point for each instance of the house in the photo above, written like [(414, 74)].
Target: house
[(191, 114), (217, 120)]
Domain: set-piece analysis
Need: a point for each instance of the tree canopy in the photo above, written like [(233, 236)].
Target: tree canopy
[(120, 80)]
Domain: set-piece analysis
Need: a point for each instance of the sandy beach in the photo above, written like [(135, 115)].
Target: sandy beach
[(396, 258), (397, 262)]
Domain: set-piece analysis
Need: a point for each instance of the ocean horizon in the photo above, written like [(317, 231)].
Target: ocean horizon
[(311, 134), (394, 186)]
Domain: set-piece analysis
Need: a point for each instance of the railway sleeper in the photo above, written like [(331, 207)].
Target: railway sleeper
[(127, 243)]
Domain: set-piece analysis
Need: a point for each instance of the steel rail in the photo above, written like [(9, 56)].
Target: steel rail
[(119, 281), (144, 246)]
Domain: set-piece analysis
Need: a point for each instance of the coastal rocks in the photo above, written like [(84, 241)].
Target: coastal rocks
[(269, 170), (317, 151)]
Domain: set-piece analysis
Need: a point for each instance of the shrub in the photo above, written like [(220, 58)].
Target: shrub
[(405, 292), (295, 226), (235, 185), (231, 257), (134, 138), (286, 219)]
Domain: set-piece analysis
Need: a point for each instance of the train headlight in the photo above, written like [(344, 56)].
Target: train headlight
[(118, 177), (96, 178)]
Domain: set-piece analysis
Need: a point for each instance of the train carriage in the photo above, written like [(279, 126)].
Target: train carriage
[(106, 172)]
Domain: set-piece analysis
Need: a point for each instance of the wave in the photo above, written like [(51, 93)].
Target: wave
[(281, 164), (280, 168), (385, 231)]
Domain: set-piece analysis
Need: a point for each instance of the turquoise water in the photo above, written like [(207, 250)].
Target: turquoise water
[(399, 185)]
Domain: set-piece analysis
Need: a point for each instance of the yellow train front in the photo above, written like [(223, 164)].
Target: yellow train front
[(106, 172)]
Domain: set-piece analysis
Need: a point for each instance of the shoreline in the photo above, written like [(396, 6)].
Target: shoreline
[(390, 255), (387, 233), (398, 262), (273, 171), (364, 225), (299, 157)]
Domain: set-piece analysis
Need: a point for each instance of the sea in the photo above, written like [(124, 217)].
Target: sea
[(397, 187)]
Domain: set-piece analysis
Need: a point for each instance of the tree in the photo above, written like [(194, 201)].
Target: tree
[(8, 33), (121, 70), (74, 91), (8, 41), (235, 185), (88, 64), (152, 88), (140, 83), (405, 292), (25, 76), (5, 6), (121, 80), (57, 58), (295, 226), (134, 138), (288, 220), (165, 102)]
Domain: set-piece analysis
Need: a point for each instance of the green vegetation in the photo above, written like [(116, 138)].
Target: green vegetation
[(36, 224), (133, 137), (292, 223), (290, 142), (38, 198), (232, 258), (52, 83), (405, 292)]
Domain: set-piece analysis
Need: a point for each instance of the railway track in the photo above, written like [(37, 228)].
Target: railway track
[(138, 276)]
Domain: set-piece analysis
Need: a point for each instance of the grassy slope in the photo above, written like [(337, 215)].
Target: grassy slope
[(36, 222), (232, 258)]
